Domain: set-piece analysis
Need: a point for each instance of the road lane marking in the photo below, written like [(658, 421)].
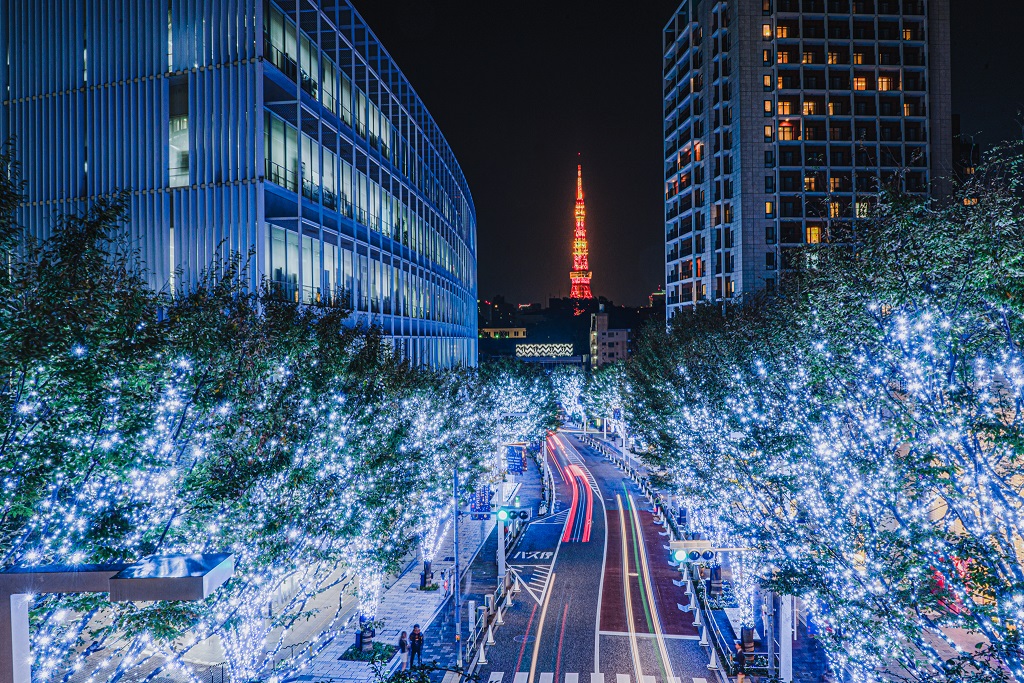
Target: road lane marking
[(629, 599), (647, 679), (561, 637), (623, 634), (656, 617), (700, 680), (674, 679), (540, 628), (521, 676), (526, 633), (496, 677), (547, 677), (621, 678), (572, 678), (596, 678)]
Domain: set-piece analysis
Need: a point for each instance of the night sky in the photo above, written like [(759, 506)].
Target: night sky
[(519, 89)]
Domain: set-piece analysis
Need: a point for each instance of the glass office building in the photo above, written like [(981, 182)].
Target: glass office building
[(283, 129), (784, 118)]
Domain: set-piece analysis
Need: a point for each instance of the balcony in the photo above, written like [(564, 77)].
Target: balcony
[(278, 174), (286, 64)]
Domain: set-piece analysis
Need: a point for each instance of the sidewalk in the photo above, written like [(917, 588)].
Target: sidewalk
[(481, 579), (401, 606), (404, 605)]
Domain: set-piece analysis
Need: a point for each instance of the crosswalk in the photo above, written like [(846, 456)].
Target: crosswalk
[(549, 677)]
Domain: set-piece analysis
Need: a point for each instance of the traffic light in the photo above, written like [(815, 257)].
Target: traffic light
[(511, 514), (692, 551)]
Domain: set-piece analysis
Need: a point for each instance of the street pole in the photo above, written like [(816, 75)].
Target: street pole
[(501, 554), (457, 579)]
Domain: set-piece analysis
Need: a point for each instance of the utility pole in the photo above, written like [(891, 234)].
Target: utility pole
[(457, 579)]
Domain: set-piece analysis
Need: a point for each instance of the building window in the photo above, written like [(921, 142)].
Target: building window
[(808, 58), (769, 260), (766, 57), (782, 32), (178, 142), (767, 107), (787, 132), (284, 263), (769, 234), (858, 57), (768, 134), (833, 210), (860, 83), (863, 209), (813, 234), (810, 108), (766, 31), (810, 184), (281, 148), (766, 7), (769, 209), (908, 34), (833, 57), (834, 184), (885, 82), (769, 183), (785, 107), (767, 82), (769, 159), (783, 57)]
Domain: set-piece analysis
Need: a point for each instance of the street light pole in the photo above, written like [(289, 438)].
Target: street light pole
[(457, 579)]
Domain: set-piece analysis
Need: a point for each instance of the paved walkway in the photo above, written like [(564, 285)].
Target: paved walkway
[(402, 605)]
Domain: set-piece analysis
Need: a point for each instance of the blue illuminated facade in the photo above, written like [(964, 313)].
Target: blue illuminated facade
[(278, 128)]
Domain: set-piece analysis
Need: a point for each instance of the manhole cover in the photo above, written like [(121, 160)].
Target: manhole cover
[(520, 638)]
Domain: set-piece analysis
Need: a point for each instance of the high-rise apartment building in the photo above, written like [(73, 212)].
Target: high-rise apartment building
[(281, 127), (783, 118)]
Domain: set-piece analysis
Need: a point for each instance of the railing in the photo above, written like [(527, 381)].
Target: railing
[(276, 173), (286, 64)]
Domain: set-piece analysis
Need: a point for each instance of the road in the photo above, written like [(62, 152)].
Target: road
[(599, 602)]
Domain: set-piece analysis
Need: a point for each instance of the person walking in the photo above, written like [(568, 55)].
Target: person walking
[(403, 649), (741, 663), (416, 645)]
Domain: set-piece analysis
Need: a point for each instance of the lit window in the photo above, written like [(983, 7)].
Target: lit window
[(782, 32), (787, 132), (810, 108), (767, 82), (860, 83), (766, 57), (863, 209), (970, 201), (832, 109), (833, 184), (768, 107), (808, 58), (766, 31), (785, 108), (885, 82), (768, 134), (858, 57), (969, 170), (783, 57), (810, 184), (813, 234), (908, 34), (833, 210), (833, 57), (769, 209)]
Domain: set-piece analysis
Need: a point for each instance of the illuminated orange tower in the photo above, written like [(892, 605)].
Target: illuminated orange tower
[(580, 273)]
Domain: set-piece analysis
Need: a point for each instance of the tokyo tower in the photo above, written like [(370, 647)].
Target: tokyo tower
[(580, 273)]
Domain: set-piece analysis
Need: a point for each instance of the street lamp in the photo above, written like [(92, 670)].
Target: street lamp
[(158, 577)]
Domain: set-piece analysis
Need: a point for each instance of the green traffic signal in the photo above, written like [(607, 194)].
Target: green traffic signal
[(502, 514)]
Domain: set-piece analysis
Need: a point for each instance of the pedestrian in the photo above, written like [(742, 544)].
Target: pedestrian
[(741, 663), (446, 585), (416, 645), (403, 649)]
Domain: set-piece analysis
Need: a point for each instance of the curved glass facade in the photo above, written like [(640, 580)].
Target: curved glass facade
[(281, 129)]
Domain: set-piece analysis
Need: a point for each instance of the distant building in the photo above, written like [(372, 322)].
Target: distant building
[(783, 119), (606, 345), (503, 332)]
